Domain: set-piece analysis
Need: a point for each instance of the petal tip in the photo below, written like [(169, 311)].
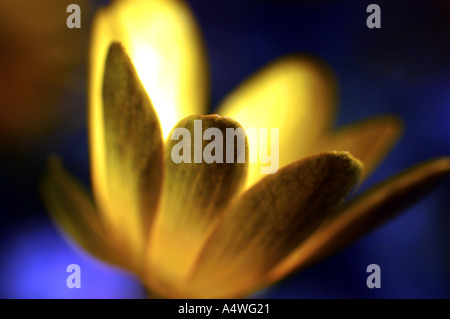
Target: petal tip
[(117, 50), (442, 165), (354, 162), (395, 126)]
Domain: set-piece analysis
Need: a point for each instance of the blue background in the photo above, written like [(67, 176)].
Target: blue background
[(402, 68)]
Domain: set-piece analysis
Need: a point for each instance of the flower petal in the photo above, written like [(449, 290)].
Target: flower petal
[(368, 140), (194, 195), (162, 39), (73, 210), (269, 220), (363, 214), (294, 94), (128, 189)]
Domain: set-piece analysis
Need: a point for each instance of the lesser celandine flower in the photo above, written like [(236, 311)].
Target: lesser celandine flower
[(216, 230)]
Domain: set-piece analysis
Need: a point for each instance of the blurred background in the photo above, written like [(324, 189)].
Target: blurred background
[(402, 68)]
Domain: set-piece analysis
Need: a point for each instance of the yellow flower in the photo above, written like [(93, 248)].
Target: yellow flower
[(216, 230)]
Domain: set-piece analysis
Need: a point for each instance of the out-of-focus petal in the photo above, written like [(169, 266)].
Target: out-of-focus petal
[(195, 194), (74, 211), (368, 140), (364, 213), (295, 95), (269, 220), (163, 42), (129, 181)]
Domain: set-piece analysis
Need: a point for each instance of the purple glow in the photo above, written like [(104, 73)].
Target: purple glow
[(34, 262)]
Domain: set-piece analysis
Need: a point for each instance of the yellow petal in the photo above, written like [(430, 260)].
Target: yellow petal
[(73, 210), (295, 95), (368, 140), (363, 214), (161, 37), (194, 196), (133, 153), (163, 42), (269, 220)]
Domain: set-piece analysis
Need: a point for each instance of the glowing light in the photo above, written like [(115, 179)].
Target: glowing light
[(163, 43), (162, 40), (34, 265)]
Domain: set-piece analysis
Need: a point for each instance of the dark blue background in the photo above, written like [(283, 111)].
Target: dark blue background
[(402, 68)]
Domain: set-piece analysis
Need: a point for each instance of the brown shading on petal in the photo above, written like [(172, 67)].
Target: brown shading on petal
[(133, 152), (194, 197), (269, 220), (364, 213), (163, 41)]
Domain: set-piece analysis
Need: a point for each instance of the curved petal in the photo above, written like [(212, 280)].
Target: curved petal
[(72, 209), (368, 140), (196, 192), (363, 214), (163, 42), (294, 94), (128, 187), (269, 220)]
